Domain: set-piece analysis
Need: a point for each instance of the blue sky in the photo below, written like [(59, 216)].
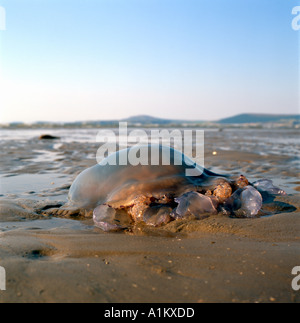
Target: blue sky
[(67, 60)]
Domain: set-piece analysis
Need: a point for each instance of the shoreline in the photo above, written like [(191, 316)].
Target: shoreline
[(217, 259)]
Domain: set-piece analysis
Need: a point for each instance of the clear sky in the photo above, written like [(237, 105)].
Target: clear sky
[(69, 60)]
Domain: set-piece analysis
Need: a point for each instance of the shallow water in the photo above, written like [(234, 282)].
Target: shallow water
[(32, 185), (42, 170), (46, 224)]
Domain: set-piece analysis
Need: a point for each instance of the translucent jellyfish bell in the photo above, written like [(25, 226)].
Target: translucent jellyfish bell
[(245, 202), (266, 185), (109, 219), (194, 203)]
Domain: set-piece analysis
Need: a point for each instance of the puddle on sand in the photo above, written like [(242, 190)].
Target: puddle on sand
[(44, 156), (33, 185), (47, 224)]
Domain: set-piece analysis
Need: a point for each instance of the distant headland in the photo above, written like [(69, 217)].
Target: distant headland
[(247, 120)]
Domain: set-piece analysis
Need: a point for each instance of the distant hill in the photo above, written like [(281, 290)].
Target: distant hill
[(145, 119), (281, 120), (259, 118), (237, 119)]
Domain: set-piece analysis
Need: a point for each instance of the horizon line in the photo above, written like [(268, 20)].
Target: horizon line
[(148, 116)]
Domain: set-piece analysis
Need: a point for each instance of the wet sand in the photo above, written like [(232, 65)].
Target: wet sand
[(218, 259)]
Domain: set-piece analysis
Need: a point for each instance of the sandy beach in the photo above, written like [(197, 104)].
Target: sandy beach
[(217, 259)]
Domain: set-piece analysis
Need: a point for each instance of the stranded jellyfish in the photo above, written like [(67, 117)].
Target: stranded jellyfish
[(164, 186)]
